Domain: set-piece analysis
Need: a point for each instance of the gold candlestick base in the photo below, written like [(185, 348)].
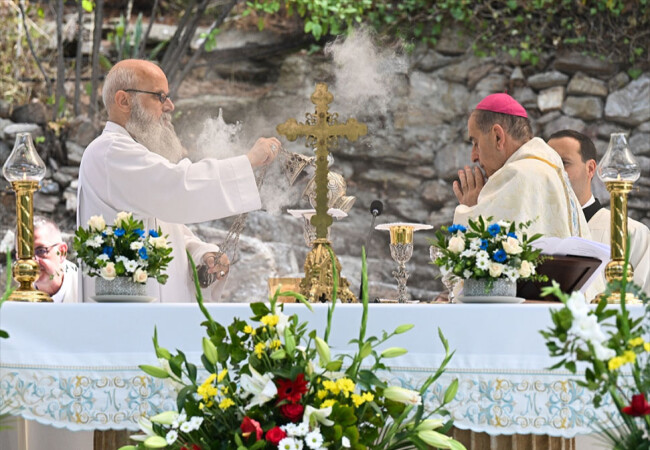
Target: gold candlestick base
[(319, 276), (25, 272)]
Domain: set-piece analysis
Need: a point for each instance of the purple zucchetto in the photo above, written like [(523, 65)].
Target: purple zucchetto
[(502, 103)]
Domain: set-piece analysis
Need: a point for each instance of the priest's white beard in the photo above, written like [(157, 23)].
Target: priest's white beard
[(157, 135)]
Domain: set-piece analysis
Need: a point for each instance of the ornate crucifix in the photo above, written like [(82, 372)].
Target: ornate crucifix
[(322, 131)]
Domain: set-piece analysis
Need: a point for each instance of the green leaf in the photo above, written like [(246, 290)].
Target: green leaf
[(88, 5)]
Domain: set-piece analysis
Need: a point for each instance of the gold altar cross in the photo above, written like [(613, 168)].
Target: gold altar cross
[(322, 130)]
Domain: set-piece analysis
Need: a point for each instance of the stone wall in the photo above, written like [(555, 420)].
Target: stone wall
[(408, 160)]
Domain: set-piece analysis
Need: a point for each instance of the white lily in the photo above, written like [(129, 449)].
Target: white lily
[(261, 387), (318, 415)]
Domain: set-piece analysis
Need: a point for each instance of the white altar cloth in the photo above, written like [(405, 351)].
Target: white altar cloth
[(75, 365)]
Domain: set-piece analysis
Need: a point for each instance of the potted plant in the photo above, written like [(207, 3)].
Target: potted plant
[(122, 256), (489, 256), (273, 384)]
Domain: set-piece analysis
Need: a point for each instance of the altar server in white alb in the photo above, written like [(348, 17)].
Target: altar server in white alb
[(525, 178), (579, 157), (137, 165)]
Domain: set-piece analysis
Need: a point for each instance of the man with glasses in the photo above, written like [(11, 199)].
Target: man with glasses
[(138, 165), (58, 277)]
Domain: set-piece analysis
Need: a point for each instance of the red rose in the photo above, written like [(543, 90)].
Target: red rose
[(639, 406), (248, 426), (275, 435), (292, 390), (292, 411), (194, 447)]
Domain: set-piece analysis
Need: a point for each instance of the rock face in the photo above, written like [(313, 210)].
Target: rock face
[(408, 160)]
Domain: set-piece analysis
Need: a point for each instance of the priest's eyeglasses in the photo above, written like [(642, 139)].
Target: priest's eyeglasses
[(162, 98), (42, 252)]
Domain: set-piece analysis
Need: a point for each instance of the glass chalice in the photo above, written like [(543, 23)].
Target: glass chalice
[(401, 250)]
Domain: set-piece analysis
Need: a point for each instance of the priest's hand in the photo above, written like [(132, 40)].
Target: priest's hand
[(264, 151), (218, 264), (468, 186)]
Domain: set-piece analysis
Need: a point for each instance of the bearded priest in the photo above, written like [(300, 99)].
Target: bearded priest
[(524, 177), (137, 165)]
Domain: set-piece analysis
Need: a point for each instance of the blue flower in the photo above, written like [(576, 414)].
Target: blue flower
[(512, 235), (494, 229), (500, 255), (143, 253), (119, 232), (153, 233), (454, 228), (139, 232), (484, 244), (108, 251)]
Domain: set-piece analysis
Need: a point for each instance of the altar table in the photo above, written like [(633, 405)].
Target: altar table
[(75, 366)]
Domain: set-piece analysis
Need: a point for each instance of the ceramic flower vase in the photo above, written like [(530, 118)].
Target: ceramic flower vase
[(501, 287), (119, 286)]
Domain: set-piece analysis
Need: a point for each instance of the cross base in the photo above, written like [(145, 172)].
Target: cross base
[(318, 282)]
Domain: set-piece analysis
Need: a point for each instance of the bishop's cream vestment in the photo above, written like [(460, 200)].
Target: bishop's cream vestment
[(119, 174), (639, 234), (531, 185)]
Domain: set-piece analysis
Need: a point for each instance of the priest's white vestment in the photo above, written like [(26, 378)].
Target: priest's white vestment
[(531, 185), (119, 174), (639, 234)]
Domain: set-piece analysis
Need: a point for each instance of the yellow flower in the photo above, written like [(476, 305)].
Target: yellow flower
[(259, 349), (225, 389), (358, 400), (346, 385), (222, 375), (615, 362), (367, 396), (646, 346), (328, 403), (270, 320), (226, 403), (636, 342), (206, 390), (275, 344), (321, 394), (629, 356), (249, 330), (332, 387)]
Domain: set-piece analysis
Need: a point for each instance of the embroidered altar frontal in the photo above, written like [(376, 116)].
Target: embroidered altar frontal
[(75, 366)]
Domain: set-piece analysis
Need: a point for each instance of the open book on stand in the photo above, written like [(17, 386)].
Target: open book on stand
[(575, 263)]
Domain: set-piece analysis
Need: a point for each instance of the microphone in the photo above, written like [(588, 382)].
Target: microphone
[(376, 208)]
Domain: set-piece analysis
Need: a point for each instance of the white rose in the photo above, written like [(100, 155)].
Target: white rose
[(526, 269), (137, 245), (97, 223), (108, 271), (158, 242), (511, 246), (121, 218), (140, 276), (496, 269), (456, 244)]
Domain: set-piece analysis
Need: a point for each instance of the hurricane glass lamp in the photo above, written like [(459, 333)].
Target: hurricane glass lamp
[(24, 169), (618, 170)]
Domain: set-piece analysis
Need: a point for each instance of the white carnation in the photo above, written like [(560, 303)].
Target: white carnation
[(137, 245)]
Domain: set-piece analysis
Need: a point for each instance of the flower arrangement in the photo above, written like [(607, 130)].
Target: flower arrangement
[(611, 347), (487, 250), (124, 249), (272, 384)]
